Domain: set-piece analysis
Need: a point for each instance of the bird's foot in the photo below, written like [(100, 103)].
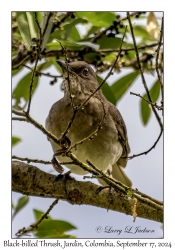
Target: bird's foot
[(65, 143), (57, 166), (111, 189), (64, 177)]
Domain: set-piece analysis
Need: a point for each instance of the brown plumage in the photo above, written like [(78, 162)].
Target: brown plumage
[(109, 147)]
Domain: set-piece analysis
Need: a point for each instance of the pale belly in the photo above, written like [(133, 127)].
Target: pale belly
[(103, 151)]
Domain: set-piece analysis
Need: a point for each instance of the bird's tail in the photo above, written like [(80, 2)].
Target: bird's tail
[(119, 174)]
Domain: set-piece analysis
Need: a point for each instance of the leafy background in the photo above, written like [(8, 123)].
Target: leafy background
[(146, 172)]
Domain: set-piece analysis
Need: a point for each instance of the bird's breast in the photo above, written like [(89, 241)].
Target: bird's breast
[(103, 148)]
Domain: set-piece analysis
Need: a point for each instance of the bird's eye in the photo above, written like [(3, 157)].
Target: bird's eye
[(85, 71)]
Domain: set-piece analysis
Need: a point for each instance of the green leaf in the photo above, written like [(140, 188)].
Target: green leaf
[(53, 235), (155, 91), (69, 25), (32, 25), (90, 57), (22, 202), (17, 35), (48, 30), (144, 106), (107, 91), (38, 214), (22, 89), (53, 229), (142, 33), (56, 65), (145, 112), (44, 65), (57, 34), (110, 42), (121, 86), (98, 19), (15, 71), (109, 57), (15, 140), (23, 27), (39, 16), (92, 30), (72, 34), (69, 44)]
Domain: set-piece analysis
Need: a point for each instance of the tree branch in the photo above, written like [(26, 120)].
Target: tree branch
[(154, 104), (31, 160), (98, 35), (29, 180), (130, 49), (118, 186), (36, 224), (57, 24), (141, 72), (147, 151)]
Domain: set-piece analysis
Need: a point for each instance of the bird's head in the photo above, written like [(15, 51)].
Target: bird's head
[(79, 75)]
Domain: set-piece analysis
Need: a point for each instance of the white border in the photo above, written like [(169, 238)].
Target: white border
[(5, 95)]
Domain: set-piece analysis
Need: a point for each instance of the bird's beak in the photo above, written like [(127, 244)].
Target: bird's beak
[(62, 64)]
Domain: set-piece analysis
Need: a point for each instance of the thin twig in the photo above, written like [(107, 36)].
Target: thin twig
[(109, 73), (40, 31), (68, 77), (76, 109), (70, 122), (40, 161), (141, 72), (37, 57), (146, 152), (41, 73), (66, 162), (36, 62), (91, 168), (98, 35), (47, 23), (57, 25), (149, 197), (31, 160), (151, 201), (90, 137), (37, 125), (21, 55), (31, 82), (34, 226), (129, 49), (152, 104), (19, 119), (157, 65), (18, 61)]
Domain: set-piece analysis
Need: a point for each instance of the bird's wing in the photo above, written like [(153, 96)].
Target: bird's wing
[(121, 127), (117, 171)]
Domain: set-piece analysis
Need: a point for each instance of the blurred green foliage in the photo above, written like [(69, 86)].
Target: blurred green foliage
[(98, 46)]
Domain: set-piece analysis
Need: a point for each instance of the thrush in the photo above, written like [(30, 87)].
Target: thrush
[(108, 148)]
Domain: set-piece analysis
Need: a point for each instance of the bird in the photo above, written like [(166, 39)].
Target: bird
[(108, 148)]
